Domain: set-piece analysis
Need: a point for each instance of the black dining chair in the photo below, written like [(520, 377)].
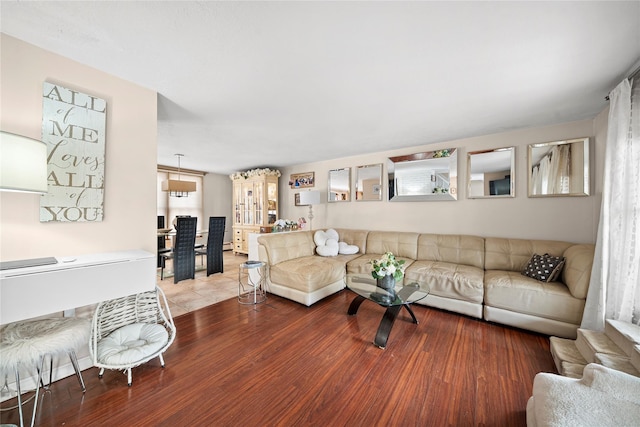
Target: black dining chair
[(213, 251), (183, 252), (161, 242)]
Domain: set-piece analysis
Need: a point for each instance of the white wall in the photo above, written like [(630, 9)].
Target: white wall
[(556, 218), (130, 186), (217, 200)]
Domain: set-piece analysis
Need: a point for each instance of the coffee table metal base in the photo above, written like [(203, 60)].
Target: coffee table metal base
[(387, 321)]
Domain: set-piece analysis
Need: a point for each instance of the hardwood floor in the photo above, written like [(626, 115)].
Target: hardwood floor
[(283, 364)]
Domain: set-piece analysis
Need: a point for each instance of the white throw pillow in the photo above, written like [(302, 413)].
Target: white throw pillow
[(332, 234), (330, 248), (346, 249), (320, 238)]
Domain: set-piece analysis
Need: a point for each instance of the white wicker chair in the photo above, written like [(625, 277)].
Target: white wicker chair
[(129, 331)]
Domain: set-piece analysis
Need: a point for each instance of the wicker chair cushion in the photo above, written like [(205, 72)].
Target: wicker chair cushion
[(131, 343)]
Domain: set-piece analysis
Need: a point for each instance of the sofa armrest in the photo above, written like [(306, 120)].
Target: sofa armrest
[(577, 269)]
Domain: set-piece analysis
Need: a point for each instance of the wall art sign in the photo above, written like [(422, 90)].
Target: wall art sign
[(73, 127)]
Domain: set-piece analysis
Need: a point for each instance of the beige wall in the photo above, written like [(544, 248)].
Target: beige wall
[(556, 218), (130, 186)]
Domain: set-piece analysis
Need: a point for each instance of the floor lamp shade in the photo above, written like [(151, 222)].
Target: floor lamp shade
[(23, 164)]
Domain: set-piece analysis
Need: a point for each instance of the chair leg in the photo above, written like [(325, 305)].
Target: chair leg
[(17, 374), (129, 377), (162, 269), (101, 373), (35, 399), (76, 367), (161, 360), (50, 373)]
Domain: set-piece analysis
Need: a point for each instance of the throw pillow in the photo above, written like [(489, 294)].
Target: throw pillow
[(332, 234), (330, 248), (346, 249), (545, 268), (320, 238)]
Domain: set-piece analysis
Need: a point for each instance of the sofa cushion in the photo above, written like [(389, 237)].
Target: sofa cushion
[(401, 244), (132, 343), (449, 280), (354, 237), (577, 269), (458, 249), (513, 254), (309, 273), (545, 268), (512, 291)]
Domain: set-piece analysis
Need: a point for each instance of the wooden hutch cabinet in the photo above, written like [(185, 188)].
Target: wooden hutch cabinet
[(255, 204)]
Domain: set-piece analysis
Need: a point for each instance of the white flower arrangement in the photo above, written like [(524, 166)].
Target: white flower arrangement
[(255, 172), (387, 265)]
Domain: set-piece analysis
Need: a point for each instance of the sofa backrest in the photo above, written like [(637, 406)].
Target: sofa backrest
[(354, 237), (281, 247), (453, 248), (577, 269), (513, 254), (402, 244)]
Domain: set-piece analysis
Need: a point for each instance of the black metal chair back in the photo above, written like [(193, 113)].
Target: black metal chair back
[(214, 245), (184, 258)]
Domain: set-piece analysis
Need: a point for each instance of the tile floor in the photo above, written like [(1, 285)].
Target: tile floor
[(192, 294)]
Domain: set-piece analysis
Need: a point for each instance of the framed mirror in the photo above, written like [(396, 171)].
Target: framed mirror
[(369, 182), (490, 173), (559, 168), (428, 176), (339, 185)]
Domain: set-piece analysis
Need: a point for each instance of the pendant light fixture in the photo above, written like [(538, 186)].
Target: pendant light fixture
[(178, 188)]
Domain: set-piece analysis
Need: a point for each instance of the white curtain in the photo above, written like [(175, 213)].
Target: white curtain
[(614, 291)]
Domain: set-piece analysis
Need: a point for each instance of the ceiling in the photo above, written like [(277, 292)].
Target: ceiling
[(255, 84)]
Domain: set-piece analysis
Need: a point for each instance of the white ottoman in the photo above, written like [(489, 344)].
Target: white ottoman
[(28, 343)]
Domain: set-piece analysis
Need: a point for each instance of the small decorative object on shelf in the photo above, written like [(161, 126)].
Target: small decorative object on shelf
[(302, 223), (284, 225)]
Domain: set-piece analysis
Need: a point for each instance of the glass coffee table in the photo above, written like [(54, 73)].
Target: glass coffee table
[(403, 295)]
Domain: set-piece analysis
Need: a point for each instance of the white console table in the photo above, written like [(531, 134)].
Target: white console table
[(74, 282)]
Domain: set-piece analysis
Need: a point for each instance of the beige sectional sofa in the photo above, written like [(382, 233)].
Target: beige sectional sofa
[(475, 276)]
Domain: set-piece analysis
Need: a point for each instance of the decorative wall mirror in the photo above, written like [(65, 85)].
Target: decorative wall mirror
[(490, 173), (432, 175), (340, 185), (559, 168), (369, 182)]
